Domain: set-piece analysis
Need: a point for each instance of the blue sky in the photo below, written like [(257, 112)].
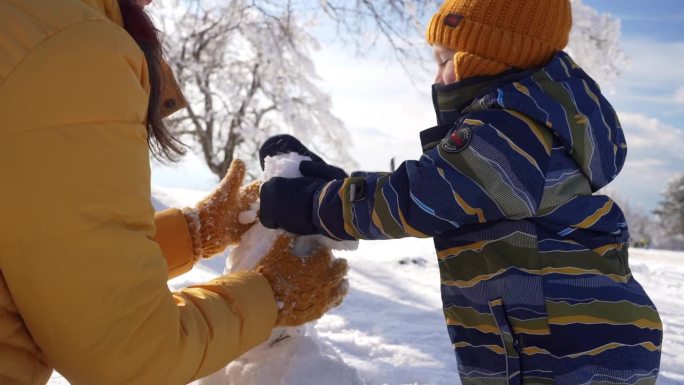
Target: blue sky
[(649, 96), (384, 108), (650, 30), (661, 20)]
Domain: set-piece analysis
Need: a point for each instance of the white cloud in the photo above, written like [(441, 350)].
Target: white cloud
[(651, 135), (655, 155), (646, 164), (654, 63), (679, 96)]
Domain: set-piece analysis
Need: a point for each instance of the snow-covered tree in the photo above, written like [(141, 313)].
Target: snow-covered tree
[(671, 208), (247, 74), (595, 44), (246, 69), (644, 229)]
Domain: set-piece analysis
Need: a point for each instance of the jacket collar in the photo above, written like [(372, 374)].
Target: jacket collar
[(451, 101), (110, 8), (172, 99)]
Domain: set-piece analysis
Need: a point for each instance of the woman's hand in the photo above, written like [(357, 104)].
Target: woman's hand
[(304, 287), (215, 222)]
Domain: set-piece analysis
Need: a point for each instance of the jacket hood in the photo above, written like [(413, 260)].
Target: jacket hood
[(110, 8), (560, 96), (171, 94)]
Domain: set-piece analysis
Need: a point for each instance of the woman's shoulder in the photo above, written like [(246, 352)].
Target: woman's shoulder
[(29, 23), (80, 66), (46, 17)]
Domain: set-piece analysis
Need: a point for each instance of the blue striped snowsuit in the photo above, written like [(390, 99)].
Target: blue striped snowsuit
[(536, 284)]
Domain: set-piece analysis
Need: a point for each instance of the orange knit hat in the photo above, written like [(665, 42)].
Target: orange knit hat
[(491, 36)]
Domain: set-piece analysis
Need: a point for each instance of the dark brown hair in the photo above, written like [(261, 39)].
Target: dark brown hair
[(139, 25)]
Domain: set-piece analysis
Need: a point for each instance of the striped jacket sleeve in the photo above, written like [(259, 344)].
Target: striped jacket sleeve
[(490, 166)]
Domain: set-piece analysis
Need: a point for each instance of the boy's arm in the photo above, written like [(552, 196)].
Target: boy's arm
[(480, 172)]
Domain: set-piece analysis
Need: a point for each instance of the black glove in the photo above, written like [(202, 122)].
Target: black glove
[(284, 144), (315, 168), (320, 170), (287, 203)]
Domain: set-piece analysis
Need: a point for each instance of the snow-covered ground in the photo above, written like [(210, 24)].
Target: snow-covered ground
[(390, 329)]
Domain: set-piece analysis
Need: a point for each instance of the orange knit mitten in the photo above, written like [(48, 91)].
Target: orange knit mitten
[(214, 222), (305, 287)]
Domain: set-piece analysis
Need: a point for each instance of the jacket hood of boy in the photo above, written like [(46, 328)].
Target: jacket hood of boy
[(560, 96)]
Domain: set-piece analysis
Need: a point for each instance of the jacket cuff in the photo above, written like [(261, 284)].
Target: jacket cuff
[(192, 219), (175, 242), (328, 211)]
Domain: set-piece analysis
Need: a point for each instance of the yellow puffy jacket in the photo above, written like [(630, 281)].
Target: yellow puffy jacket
[(82, 282)]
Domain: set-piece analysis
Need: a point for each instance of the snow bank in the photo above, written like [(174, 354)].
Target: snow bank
[(295, 356)]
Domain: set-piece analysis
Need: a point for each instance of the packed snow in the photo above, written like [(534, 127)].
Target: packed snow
[(258, 239), (295, 356), (390, 329)]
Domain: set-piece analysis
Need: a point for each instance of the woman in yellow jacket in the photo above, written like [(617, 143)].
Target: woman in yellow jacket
[(83, 258)]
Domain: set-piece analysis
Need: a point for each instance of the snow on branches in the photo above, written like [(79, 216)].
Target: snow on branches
[(247, 73), (595, 44)]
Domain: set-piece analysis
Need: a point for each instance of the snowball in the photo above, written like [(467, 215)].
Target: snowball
[(284, 165), (256, 242), (249, 216), (254, 245)]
